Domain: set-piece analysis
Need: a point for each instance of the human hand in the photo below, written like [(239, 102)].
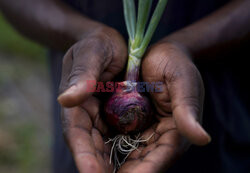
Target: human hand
[(99, 56), (178, 110)]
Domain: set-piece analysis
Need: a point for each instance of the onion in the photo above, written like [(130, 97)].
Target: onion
[(127, 110)]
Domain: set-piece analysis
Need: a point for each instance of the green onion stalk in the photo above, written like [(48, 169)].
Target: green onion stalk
[(128, 110)]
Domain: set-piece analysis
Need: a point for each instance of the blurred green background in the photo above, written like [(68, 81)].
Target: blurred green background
[(25, 128)]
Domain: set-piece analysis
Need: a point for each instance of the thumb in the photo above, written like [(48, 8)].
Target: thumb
[(77, 93), (88, 62), (188, 126), (187, 94)]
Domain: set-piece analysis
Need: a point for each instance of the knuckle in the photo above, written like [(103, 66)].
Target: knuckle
[(62, 88), (90, 162), (95, 51), (180, 71), (78, 71), (67, 57), (193, 102), (65, 122), (99, 44)]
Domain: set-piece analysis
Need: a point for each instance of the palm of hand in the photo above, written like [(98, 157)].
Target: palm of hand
[(86, 134), (84, 131), (159, 152), (178, 107)]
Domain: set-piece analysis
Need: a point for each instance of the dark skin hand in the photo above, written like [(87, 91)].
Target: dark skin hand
[(178, 110), (98, 57), (179, 107), (99, 53), (84, 129)]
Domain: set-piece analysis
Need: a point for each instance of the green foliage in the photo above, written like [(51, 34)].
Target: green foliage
[(12, 42), (24, 137), (138, 41), (18, 148), (21, 142)]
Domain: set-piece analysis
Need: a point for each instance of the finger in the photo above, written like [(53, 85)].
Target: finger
[(183, 89), (85, 143), (88, 61), (92, 60), (153, 67), (187, 95)]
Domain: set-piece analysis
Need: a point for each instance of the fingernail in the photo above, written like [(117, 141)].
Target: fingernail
[(69, 91), (205, 133), (209, 138)]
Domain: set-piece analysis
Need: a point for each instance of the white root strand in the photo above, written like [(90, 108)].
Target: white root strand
[(124, 144)]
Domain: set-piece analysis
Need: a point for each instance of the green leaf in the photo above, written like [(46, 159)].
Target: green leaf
[(129, 15), (153, 24), (142, 18)]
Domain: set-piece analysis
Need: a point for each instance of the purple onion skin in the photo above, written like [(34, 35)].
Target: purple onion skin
[(127, 110)]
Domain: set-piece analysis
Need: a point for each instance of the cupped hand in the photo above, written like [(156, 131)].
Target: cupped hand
[(99, 56), (178, 110)]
